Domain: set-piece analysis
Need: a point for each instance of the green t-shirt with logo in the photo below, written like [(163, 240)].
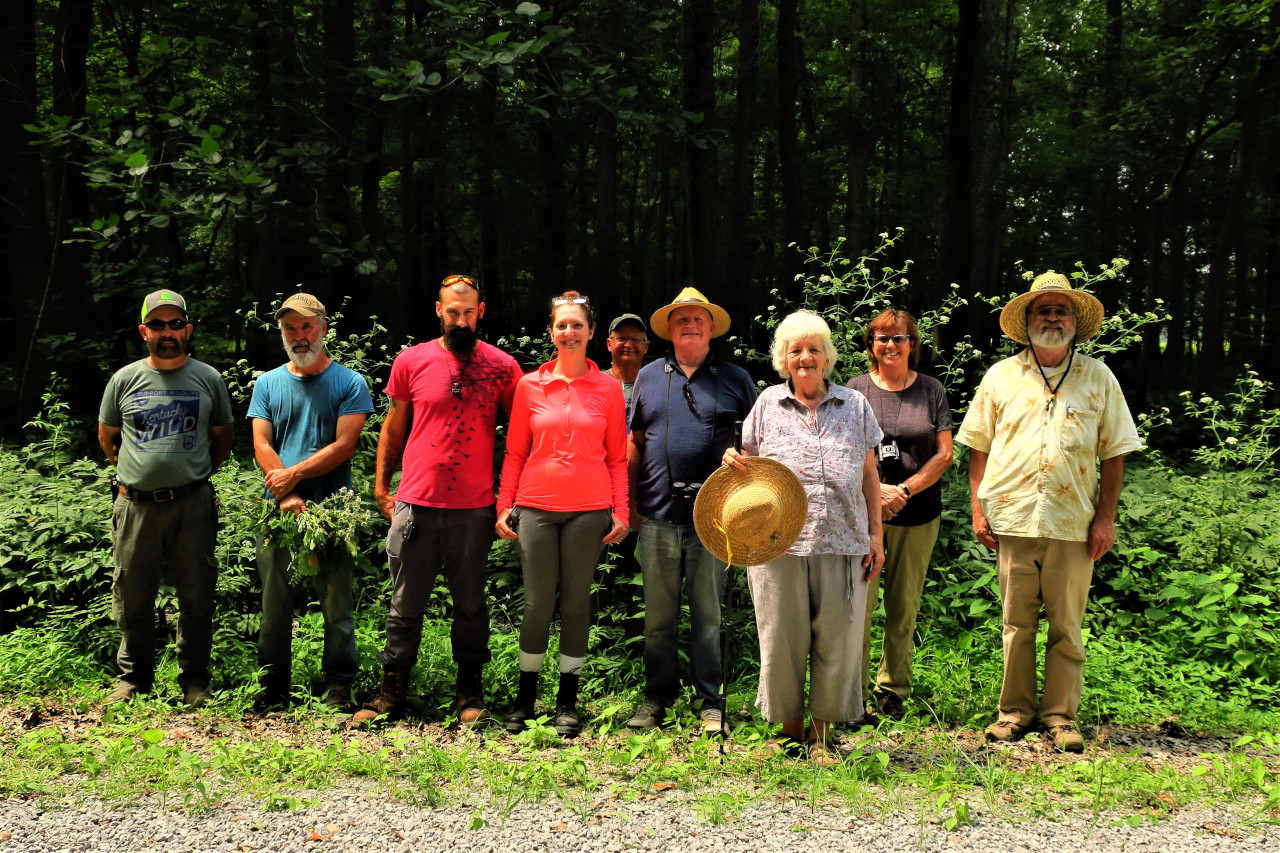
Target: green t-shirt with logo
[(165, 416)]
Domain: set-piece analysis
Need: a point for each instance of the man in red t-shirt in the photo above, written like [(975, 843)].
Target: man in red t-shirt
[(444, 400)]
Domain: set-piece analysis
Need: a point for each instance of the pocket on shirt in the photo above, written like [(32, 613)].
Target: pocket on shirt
[(1080, 430)]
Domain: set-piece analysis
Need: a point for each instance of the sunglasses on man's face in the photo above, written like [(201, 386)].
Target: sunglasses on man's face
[(161, 325)]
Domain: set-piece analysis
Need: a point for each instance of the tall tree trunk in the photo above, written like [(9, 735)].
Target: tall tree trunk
[(1251, 115), (552, 260), (738, 262), (605, 238), (955, 231), (24, 227), (68, 280), (1269, 271), (339, 113), (856, 230), (698, 55), (1111, 220), (489, 201), (375, 163), (789, 145), (989, 121)]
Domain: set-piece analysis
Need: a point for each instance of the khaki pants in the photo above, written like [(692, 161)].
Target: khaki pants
[(808, 617), (1056, 575), (907, 551)]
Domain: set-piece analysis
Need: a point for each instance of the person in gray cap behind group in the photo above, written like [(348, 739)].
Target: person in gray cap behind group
[(628, 343), (682, 413), (170, 417), (306, 416)]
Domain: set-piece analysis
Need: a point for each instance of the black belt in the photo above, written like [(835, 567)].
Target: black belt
[(161, 495)]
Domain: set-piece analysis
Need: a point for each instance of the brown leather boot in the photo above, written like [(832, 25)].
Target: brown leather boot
[(388, 703), (469, 702)]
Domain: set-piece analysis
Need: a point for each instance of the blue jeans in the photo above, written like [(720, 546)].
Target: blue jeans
[(275, 637), (669, 553)]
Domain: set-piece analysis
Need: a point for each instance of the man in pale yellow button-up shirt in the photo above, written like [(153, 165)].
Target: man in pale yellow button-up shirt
[(1038, 426)]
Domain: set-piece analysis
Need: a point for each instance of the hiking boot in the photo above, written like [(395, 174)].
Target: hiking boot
[(566, 721), (1005, 731), (337, 697), (196, 695), (468, 702), (1066, 737), (888, 704), (526, 694), (388, 703), (712, 722), (650, 715), (123, 692), (471, 710), (517, 718)]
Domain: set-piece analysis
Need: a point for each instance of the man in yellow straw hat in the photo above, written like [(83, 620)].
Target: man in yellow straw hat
[(1040, 423), (683, 408)]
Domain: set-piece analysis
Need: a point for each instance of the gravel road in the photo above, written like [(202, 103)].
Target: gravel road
[(355, 818)]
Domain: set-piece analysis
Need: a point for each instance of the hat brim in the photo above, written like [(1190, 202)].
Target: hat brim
[(659, 326), (305, 312), (723, 484), (1089, 314)]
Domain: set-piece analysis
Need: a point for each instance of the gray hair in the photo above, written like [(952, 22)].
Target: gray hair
[(802, 325)]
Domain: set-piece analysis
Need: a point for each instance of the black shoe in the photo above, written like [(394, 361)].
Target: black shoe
[(516, 721), (566, 721), (888, 704)]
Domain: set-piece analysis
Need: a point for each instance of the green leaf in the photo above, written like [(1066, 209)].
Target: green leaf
[(1244, 657), (528, 9)]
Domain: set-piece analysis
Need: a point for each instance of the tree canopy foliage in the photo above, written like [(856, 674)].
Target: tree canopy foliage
[(363, 149)]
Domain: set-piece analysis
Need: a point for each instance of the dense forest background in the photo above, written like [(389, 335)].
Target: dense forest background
[(365, 148)]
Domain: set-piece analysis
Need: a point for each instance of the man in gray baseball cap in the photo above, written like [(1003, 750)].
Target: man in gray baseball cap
[(170, 417), (628, 342)]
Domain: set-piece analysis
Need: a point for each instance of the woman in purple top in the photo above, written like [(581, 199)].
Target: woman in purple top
[(810, 602)]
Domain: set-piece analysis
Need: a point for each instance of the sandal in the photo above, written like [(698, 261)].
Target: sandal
[(823, 754), (783, 745)]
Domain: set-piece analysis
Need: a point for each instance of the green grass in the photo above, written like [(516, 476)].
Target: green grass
[(930, 767)]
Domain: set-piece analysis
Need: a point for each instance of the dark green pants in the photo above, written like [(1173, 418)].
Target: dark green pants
[(174, 539)]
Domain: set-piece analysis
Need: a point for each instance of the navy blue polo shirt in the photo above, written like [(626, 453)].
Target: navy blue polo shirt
[(681, 445)]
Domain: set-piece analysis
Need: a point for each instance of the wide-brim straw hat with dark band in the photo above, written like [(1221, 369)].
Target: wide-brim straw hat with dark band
[(689, 296), (747, 518), (1089, 312)]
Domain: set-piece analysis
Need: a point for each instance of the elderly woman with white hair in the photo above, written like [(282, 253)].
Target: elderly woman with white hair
[(810, 602)]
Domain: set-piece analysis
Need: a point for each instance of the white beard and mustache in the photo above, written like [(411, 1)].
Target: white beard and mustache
[(1052, 337), (303, 357)]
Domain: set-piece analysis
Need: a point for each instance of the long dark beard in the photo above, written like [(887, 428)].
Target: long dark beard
[(460, 340)]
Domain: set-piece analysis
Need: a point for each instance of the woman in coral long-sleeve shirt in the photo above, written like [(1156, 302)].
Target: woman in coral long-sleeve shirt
[(563, 497)]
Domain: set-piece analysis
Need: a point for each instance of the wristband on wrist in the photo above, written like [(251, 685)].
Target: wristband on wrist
[(904, 488)]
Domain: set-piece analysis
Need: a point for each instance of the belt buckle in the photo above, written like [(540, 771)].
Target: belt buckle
[(156, 495)]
